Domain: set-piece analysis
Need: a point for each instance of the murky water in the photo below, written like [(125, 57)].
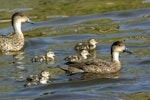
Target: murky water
[(133, 78)]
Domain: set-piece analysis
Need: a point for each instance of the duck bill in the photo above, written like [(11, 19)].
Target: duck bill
[(29, 21), (128, 51)]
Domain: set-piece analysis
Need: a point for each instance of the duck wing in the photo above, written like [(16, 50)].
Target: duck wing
[(101, 66)]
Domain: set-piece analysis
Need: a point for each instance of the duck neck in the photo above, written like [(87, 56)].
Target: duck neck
[(115, 60), (17, 26), (115, 57)]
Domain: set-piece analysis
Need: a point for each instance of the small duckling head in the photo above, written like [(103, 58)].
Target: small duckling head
[(71, 58), (119, 46), (19, 16), (50, 54), (33, 78), (92, 41), (45, 74), (85, 53)]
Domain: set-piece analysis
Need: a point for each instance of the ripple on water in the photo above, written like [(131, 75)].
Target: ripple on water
[(20, 9), (132, 78), (115, 15)]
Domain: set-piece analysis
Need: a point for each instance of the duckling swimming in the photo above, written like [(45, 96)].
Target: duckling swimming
[(42, 78), (15, 41), (101, 66), (32, 80), (90, 45), (78, 58), (48, 57)]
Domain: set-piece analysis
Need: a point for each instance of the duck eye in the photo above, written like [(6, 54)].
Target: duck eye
[(120, 45)]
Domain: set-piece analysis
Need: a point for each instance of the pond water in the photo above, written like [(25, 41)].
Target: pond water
[(132, 26)]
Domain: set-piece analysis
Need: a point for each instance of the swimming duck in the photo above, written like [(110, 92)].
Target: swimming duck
[(78, 58), (42, 78), (98, 65), (89, 45), (15, 41), (48, 57)]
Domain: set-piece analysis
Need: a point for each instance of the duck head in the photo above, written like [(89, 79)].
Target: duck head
[(92, 41), (19, 16), (119, 46)]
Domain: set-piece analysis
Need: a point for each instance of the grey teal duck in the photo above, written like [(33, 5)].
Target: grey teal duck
[(15, 41)]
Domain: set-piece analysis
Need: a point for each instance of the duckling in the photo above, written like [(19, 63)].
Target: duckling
[(78, 58), (101, 66), (32, 80), (42, 78), (90, 45), (48, 57), (15, 41)]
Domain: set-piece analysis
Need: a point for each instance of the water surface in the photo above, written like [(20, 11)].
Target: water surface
[(60, 35)]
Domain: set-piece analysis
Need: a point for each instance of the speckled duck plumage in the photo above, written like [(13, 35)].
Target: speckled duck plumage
[(98, 65), (15, 41), (89, 45)]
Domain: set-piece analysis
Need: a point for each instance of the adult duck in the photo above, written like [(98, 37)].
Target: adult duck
[(15, 41)]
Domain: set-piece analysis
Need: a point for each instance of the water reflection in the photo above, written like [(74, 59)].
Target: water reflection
[(19, 65), (88, 76), (20, 9)]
